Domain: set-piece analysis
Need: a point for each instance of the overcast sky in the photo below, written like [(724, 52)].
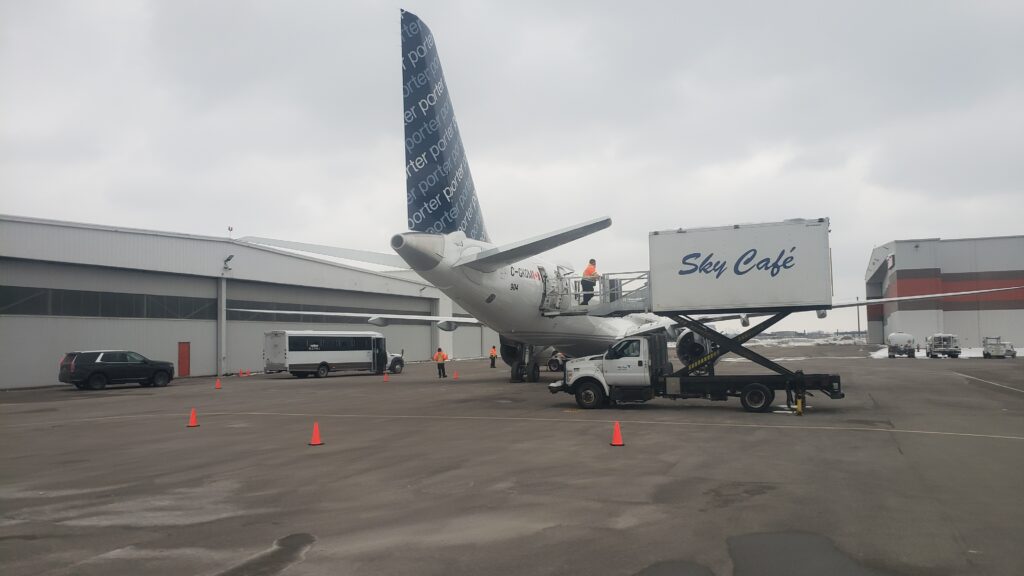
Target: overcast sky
[(284, 119)]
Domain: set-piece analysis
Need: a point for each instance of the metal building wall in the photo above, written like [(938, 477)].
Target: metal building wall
[(15, 272), (935, 266), (32, 346)]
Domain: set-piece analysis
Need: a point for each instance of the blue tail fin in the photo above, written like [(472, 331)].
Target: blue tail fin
[(439, 187)]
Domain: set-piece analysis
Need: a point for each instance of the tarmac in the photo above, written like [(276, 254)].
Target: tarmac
[(919, 470)]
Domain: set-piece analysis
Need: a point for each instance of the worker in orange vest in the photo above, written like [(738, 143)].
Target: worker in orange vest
[(590, 277), (494, 355), (440, 358)]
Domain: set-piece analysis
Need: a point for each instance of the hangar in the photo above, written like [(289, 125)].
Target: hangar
[(933, 266), (68, 286)]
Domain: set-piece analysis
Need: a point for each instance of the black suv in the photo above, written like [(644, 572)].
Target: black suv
[(95, 369)]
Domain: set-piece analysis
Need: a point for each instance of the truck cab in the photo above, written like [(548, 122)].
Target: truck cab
[(628, 371)]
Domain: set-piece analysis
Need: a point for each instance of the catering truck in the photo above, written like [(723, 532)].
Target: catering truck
[(741, 271), (636, 369)]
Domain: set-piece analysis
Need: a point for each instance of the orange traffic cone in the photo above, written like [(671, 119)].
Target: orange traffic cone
[(385, 376), (217, 385), (192, 421), (241, 373), (617, 435), (315, 440), (455, 375)]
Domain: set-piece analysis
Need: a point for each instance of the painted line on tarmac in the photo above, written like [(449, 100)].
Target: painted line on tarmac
[(596, 421), (992, 383), (535, 419)]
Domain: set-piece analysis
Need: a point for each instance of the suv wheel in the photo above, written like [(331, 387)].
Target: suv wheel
[(160, 379), (97, 382)]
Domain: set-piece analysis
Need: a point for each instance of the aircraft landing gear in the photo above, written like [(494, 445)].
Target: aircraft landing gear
[(524, 360)]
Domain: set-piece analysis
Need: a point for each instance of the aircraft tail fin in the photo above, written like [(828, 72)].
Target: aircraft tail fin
[(439, 187)]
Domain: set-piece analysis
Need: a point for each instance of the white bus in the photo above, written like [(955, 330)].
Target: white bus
[(305, 352)]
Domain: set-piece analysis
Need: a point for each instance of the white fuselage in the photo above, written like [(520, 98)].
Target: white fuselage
[(507, 300)]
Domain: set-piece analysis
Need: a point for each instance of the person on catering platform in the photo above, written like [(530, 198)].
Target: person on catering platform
[(590, 277)]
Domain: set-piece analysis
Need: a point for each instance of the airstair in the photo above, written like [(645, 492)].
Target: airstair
[(616, 294)]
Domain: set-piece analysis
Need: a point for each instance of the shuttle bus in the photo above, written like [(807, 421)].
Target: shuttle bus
[(306, 352)]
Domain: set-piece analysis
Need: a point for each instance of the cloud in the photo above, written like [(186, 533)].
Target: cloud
[(284, 120)]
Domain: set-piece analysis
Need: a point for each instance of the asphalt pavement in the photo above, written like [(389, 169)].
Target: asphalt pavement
[(919, 470)]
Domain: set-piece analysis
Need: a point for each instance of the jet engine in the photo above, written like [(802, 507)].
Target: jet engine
[(690, 346)]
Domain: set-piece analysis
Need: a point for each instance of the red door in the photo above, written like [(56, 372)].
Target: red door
[(184, 359)]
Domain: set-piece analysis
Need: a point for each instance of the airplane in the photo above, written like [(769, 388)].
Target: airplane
[(506, 287)]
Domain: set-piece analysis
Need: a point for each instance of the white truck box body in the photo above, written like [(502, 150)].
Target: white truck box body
[(742, 268)]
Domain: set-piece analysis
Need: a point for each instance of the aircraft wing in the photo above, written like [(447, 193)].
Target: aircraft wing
[(494, 258), (446, 323), (668, 324), (922, 297)]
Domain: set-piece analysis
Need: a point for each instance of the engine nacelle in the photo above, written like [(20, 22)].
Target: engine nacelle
[(690, 346)]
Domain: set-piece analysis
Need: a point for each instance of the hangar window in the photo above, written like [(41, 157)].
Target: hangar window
[(60, 302), (21, 300)]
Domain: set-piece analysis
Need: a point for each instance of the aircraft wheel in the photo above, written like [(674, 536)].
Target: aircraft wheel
[(533, 372)]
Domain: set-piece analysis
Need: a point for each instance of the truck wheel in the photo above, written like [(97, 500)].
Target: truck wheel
[(590, 395), (910, 354), (396, 367), (97, 382), (756, 398), (554, 365), (322, 370)]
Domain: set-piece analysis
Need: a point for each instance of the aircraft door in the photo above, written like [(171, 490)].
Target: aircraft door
[(624, 365)]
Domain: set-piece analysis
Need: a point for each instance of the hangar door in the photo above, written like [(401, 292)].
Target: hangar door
[(467, 342)]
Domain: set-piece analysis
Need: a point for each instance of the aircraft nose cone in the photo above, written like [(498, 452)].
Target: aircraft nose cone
[(421, 251)]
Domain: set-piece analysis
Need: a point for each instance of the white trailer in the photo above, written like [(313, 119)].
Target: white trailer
[(777, 267)]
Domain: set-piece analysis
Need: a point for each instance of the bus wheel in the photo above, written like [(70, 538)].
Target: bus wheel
[(756, 398), (322, 371)]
